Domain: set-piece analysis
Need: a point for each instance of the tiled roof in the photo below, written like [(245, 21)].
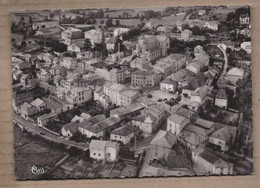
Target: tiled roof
[(164, 139), (124, 130), (222, 94), (225, 133)]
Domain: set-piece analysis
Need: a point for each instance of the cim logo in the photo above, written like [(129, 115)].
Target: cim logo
[(38, 170)]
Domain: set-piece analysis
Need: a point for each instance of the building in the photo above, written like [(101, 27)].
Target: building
[(68, 62), (143, 79), (46, 118), (206, 162), (39, 104), (235, 74), (117, 75), (152, 47), (195, 67), (70, 129), (21, 96), (223, 138), (211, 25), (200, 94), (78, 95), (123, 134), (119, 94), (44, 75), (73, 36), (128, 111), (169, 85), (27, 80), (150, 118), (244, 19), (27, 110), (246, 46), (221, 99), (101, 128), (120, 31), (140, 63), (103, 150), (39, 25), (176, 123), (161, 145), (94, 35), (163, 29), (83, 116)]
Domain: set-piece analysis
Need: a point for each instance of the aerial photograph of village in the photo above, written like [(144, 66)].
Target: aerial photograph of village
[(132, 92)]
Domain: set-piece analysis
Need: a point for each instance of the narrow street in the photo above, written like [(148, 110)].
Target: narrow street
[(47, 135)]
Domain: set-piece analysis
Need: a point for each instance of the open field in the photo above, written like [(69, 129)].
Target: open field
[(35, 152)]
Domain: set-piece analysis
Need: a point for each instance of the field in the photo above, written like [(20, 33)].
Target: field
[(165, 21), (33, 152)]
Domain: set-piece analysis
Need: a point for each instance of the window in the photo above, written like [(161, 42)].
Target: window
[(94, 153), (99, 154)]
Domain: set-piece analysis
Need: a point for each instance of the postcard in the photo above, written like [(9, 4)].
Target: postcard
[(132, 92)]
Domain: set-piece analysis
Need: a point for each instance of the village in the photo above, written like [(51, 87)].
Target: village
[(133, 92)]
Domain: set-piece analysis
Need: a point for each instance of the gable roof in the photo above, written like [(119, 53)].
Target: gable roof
[(164, 139), (37, 102), (204, 123), (224, 133)]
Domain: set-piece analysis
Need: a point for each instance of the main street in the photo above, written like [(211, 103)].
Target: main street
[(35, 129)]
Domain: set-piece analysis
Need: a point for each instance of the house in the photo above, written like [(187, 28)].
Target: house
[(161, 145), (94, 35), (152, 47), (140, 63), (39, 25), (117, 75), (205, 162), (27, 80), (182, 76), (195, 67), (176, 123), (221, 99), (70, 129), (78, 95), (68, 62), (150, 118), (44, 75), (142, 78), (110, 43), (88, 122), (201, 12), (246, 46), (186, 34), (21, 96), (100, 97), (101, 128), (211, 25), (169, 85), (244, 19), (39, 104), (104, 150), (120, 31), (223, 138), (235, 74), (200, 94), (83, 116), (119, 94), (27, 110), (163, 29), (75, 48), (46, 118), (123, 134), (73, 36), (127, 111), (19, 64)]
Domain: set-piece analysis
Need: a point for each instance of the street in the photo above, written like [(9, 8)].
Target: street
[(47, 135)]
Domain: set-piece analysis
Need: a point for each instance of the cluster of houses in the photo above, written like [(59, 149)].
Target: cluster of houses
[(122, 83)]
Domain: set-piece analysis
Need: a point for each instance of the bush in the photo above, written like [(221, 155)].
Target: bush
[(149, 95)]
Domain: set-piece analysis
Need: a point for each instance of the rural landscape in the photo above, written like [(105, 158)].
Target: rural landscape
[(142, 92)]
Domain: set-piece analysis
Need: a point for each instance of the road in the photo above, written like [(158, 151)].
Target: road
[(47, 135), (223, 73)]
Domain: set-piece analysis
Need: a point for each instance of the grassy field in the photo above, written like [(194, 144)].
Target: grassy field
[(33, 152)]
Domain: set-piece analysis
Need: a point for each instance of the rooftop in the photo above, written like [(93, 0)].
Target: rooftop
[(164, 139)]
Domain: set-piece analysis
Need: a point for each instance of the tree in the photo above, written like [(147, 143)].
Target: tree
[(51, 15), (100, 13), (117, 23), (87, 45), (109, 22), (23, 43)]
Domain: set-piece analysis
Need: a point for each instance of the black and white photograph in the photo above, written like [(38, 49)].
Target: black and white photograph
[(132, 92)]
